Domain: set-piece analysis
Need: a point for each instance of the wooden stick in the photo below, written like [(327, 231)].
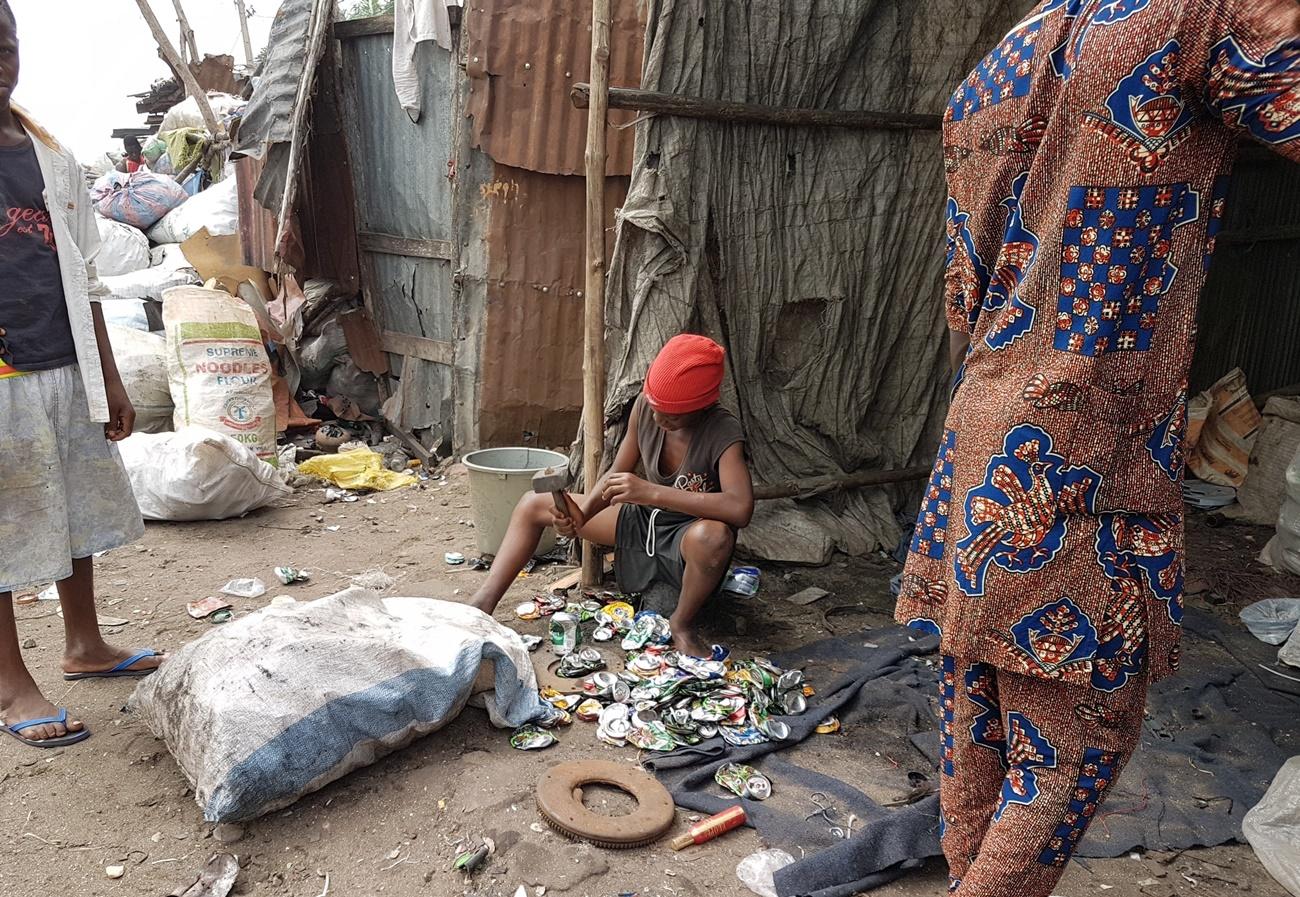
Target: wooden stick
[(187, 33), (302, 102), (187, 77), (753, 113), (593, 368), (243, 29), (821, 485)]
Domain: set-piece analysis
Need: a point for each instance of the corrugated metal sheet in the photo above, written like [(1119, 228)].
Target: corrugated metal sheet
[(268, 118), (531, 364), (256, 224), (1250, 310), (523, 57)]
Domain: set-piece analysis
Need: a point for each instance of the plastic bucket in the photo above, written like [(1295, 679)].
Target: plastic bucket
[(498, 478)]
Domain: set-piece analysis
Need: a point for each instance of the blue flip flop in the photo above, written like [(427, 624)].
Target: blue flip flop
[(122, 670), (61, 741)]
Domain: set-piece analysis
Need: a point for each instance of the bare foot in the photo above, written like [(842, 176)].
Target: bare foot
[(687, 642), (101, 657), (27, 702)]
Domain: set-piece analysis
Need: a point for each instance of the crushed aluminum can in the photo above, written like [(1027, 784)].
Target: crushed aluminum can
[(790, 680), (615, 724), (590, 608), (532, 642), (700, 668), (742, 735), (565, 634), (775, 730), (651, 737), (617, 614), (560, 699), (589, 710), (743, 581), (709, 730), (290, 575), (711, 709), (793, 703), (528, 611), (828, 726), (531, 738), (608, 686), (743, 781), (603, 634), (580, 663), (648, 628), (646, 665), (556, 718)]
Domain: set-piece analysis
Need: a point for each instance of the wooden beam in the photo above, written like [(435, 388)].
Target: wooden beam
[(821, 485), (187, 77), (390, 245), (187, 33), (753, 113), (437, 351), (593, 341), (1276, 234), (363, 27)]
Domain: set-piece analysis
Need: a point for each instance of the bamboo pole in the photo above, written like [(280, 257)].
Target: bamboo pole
[(187, 77), (187, 33), (651, 101), (243, 30), (593, 368)]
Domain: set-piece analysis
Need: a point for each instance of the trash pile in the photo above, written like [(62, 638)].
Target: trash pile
[(663, 699)]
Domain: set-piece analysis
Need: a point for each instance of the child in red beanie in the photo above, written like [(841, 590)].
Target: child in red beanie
[(678, 523)]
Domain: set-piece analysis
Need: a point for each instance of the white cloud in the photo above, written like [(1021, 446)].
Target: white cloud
[(81, 59)]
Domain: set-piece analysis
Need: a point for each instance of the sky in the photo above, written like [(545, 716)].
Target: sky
[(81, 59)]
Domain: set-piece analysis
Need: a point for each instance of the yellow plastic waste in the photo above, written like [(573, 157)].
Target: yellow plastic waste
[(359, 469)]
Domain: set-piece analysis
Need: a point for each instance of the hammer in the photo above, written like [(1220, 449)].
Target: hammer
[(555, 480)]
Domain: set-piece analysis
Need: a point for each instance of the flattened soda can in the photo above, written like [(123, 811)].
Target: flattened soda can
[(744, 781), (531, 738), (565, 634), (741, 735), (589, 710), (828, 726), (580, 663), (603, 633), (743, 581)]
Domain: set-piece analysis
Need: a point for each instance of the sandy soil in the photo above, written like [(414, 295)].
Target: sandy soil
[(119, 799)]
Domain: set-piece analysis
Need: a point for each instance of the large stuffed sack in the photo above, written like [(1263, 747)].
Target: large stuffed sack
[(186, 114), (1272, 827), (216, 208), (1260, 498), (1283, 550), (218, 367), (122, 248), (142, 362), (282, 702), (140, 199), (196, 474), (169, 268)]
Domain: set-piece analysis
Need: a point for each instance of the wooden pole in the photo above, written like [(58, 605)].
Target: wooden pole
[(593, 344), (187, 77), (821, 485), (187, 33), (753, 113), (243, 29)]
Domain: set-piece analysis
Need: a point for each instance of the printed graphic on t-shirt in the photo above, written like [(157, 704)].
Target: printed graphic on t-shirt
[(692, 482), (27, 222)]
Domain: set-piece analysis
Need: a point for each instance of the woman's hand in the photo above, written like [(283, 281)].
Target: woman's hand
[(627, 489)]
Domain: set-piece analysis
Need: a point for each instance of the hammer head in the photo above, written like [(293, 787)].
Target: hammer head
[(552, 479)]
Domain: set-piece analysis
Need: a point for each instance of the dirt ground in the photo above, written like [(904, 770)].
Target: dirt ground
[(393, 828)]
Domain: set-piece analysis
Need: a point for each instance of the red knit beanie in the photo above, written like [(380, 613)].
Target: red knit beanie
[(686, 376)]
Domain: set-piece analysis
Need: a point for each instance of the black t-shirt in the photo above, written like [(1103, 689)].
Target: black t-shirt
[(33, 313)]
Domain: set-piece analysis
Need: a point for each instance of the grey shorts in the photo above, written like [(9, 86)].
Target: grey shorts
[(63, 491), (648, 548)]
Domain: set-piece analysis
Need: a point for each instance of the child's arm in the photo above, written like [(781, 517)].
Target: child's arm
[(734, 505), (121, 413)]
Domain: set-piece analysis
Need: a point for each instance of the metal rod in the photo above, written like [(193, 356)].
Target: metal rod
[(593, 368), (722, 110)]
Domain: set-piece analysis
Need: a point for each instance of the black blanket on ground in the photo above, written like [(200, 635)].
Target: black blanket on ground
[(1215, 735)]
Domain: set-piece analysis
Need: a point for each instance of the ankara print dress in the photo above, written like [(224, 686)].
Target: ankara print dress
[(1088, 157)]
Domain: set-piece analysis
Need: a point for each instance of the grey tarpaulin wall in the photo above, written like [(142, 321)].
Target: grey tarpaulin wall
[(814, 255)]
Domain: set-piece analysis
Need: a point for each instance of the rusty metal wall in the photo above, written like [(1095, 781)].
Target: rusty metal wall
[(1250, 309), (531, 361), (522, 58)]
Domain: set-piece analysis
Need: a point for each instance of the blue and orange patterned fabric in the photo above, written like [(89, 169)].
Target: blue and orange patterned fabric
[(1088, 159)]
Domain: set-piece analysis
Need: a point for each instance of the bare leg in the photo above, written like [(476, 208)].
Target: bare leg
[(532, 516), (85, 650), (707, 548), (20, 698)]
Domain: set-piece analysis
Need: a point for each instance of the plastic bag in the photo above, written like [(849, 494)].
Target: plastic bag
[(185, 114), (216, 208), (758, 871), (142, 199), (1273, 827), (339, 682), (142, 362), (197, 475), (122, 248), (219, 370), (128, 314), (1290, 652), (358, 469), (1272, 620), (168, 268), (244, 588)]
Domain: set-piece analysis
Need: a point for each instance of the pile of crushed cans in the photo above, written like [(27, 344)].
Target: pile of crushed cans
[(663, 700)]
